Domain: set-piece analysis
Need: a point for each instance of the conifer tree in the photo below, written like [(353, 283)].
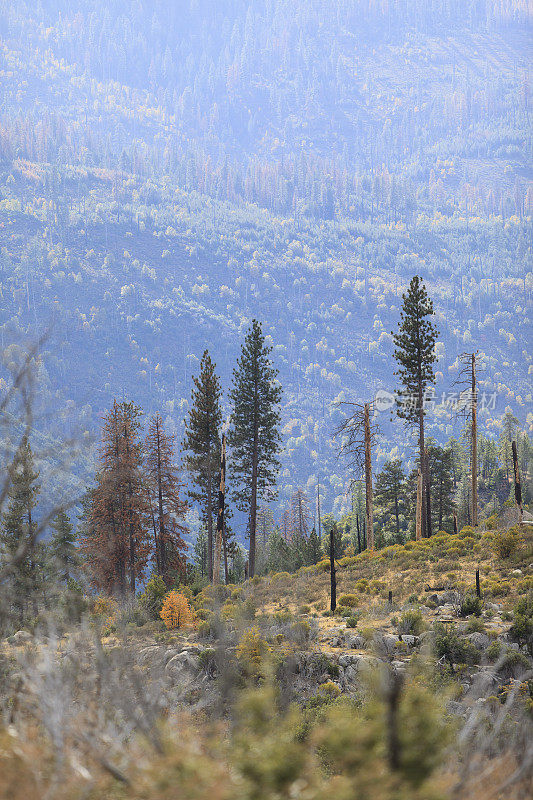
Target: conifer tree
[(115, 543), (264, 530), (390, 494), (164, 489), (278, 552), (314, 548), (200, 552), (18, 528), (300, 514), (440, 460), (202, 440), (63, 546), (254, 435), (415, 354)]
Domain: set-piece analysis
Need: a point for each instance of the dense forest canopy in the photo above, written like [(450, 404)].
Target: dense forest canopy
[(170, 171)]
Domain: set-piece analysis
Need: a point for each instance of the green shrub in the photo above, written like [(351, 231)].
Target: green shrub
[(475, 625), (493, 650), (351, 622), (206, 658), (452, 648), (411, 622), (514, 664), (505, 544), (521, 631), (329, 689), (152, 597), (300, 632), (471, 605)]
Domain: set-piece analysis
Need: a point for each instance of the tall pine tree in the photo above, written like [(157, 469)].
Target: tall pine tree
[(254, 436), (115, 542), (440, 468), (63, 546), (18, 529), (167, 508), (391, 495), (202, 440), (415, 354)]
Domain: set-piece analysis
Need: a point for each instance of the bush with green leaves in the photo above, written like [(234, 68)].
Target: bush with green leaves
[(152, 597), (513, 665), (505, 544), (450, 646), (521, 631), (411, 622), (348, 600), (471, 605)]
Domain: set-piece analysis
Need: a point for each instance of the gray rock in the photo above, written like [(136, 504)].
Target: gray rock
[(484, 680), (20, 637), (480, 640), (349, 659), (350, 674), (182, 666), (355, 642), (149, 654), (410, 640)]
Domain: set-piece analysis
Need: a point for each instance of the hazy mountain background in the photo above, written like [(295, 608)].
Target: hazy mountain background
[(170, 170)]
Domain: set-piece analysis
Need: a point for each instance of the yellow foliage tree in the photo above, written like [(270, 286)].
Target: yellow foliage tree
[(176, 611)]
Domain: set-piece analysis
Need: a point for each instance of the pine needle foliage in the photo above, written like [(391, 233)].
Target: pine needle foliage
[(254, 435), (415, 354), (202, 440), (167, 509)]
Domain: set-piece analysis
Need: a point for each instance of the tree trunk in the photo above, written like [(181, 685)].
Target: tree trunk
[(162, 532), (393, 738), (253, 504), (225, 550), (220, 517), (209, 515), (517, 485), (427, 483), (318, 503), (418, 523), (368, 480), (358, 533), (333, 578), (156, 538), (474, 443)]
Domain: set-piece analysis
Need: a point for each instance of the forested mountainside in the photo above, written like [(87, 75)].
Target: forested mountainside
[(170, 172)]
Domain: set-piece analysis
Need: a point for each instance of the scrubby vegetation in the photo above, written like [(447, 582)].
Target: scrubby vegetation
[(241, 244)]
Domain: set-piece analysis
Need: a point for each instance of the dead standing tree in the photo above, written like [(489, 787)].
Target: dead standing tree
[(467, 407), (517, 485), (357, 435)]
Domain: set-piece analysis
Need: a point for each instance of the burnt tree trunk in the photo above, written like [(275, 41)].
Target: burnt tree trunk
[(368, 481), (474, 443), (220, 516), (333, 577), (517, 485)]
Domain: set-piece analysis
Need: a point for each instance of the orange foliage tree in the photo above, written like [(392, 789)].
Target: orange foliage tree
[(176, 611)]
